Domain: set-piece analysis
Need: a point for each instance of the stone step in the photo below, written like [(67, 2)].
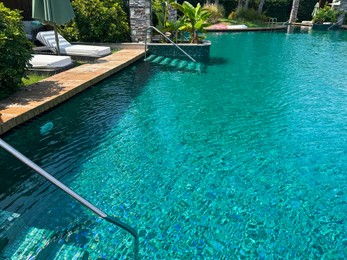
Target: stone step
[(27, 244), (181, 64), (68, 252)]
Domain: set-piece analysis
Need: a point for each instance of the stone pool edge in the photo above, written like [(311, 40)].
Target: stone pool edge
[(44, 95)]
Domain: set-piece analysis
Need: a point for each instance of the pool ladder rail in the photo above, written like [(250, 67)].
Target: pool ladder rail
[(73, 194), (167, 38)]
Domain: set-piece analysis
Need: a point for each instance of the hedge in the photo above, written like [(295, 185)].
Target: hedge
[(15, 51)]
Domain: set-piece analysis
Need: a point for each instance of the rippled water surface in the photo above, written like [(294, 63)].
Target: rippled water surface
[(245, 157)]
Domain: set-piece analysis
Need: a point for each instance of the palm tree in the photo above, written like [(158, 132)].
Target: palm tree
[(246, 4), (260, 7), (343, 8), (239, 4), (294, 11)]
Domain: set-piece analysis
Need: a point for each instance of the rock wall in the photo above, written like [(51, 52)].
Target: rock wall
[(140, 19)]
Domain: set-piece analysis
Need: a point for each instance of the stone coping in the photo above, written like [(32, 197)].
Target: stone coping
[(223, 28), (42, 96), (204, 43)]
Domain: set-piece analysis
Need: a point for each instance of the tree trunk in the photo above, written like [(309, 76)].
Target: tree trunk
[(239, 4), (322, 3), (246, 4), (216, 2), (343, 8), (260, 7), (294, 12)]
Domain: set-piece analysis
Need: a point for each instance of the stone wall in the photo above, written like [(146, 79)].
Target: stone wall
[(140, 19)]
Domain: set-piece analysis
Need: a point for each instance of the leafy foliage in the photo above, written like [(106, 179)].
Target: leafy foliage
[(161, 12), (326, 14), (15, 51), (217, 11), (158, 14), (194, 19), (98, 21), (174, 28), (272, 8), (247, 14)]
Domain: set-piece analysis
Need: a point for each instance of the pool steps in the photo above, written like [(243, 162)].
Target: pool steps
[(181, 64), (41, 244), (73, 194)]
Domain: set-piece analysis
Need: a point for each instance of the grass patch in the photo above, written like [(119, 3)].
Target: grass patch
[(30, 79), (33, 78)]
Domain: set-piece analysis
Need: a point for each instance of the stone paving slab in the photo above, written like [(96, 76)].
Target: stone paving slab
[(41, 96)]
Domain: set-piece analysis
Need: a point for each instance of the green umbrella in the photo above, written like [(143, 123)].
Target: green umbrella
[(53, 12)]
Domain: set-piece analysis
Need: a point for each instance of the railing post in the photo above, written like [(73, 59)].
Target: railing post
[(178, 47)]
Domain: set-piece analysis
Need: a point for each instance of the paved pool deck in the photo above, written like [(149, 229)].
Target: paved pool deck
[(42, 96)]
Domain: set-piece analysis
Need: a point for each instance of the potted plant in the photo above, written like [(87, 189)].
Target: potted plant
[(194, 19), (325, 18), (193, 22)]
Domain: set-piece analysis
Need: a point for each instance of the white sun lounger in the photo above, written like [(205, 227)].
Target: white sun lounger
[(47, 38), (40, 61)]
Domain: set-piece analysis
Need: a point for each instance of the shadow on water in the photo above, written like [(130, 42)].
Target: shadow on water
[(62, 139), (216, 61)]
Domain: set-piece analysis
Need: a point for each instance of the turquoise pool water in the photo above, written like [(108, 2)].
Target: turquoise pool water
[(244, 157)]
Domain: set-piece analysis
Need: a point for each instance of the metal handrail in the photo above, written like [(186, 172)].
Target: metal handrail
[(335, 23), (167, 38), (73, 194), (272, 21)]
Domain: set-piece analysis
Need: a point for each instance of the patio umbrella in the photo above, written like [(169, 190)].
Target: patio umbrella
[(53, 12)]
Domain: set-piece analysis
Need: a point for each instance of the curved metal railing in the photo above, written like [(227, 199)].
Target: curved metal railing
[(73, 194), (167, 38)]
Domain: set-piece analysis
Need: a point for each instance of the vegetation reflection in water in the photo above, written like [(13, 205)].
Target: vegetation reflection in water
[(243, 158)]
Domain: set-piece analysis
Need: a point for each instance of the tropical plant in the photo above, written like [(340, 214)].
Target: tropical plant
[(174, 28), (158, 14), (161, 12), (98, 21), (15, 50), (326, 14), (194, 18), (217, 12)]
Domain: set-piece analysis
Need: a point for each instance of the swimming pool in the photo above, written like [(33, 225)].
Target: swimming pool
[(244, 157)]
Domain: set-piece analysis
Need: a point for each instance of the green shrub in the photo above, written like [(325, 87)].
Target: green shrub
[(326, 14), (247, 14), (216, 11), (98, 21), (158, 14), (15, 51)]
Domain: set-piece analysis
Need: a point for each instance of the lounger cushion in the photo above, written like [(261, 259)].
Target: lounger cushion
[(86, 50), (49, 61), (48, 39)]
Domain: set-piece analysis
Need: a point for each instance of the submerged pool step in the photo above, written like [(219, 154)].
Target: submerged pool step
[(10, 226), (174, 62), (68, 252), (27, 243), (41, 244)]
